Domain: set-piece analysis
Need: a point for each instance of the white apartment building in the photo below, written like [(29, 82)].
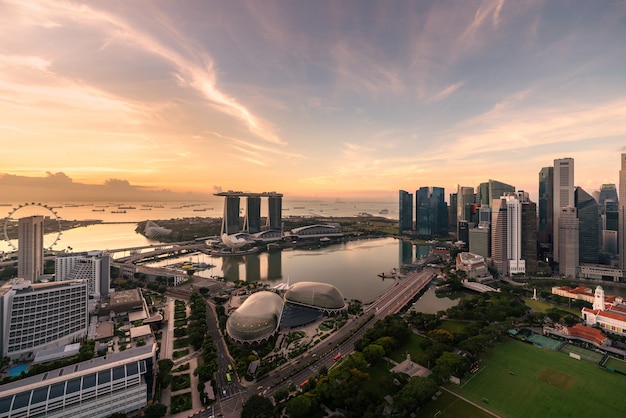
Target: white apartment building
[(117, 383), (93, 266), (39, 316)]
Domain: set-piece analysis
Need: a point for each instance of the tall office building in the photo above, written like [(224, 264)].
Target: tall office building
[(506, 240), (431, 215), (230, 220), (529, 232), (275, 211), (406, 211), (498, 235), (92, 266), (563, 196), (492, 190), (545, 227), (252, 220), (39, 316), (607, 192), (588, 226), (452, 213), (621, 237), (568, 242), (464, 200), (30, 248)]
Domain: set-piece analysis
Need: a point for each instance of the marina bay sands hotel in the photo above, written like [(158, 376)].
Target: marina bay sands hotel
[(252, 219)]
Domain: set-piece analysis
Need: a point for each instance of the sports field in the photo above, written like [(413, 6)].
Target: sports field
[(616, 364), (520, 380)]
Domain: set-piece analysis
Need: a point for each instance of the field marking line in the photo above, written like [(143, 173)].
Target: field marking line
[(473, 375)]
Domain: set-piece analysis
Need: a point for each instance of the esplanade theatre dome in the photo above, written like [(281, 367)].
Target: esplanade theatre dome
[(256, 319), (321, 296)]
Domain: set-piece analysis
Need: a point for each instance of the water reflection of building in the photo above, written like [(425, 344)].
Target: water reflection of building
[(252, 263), (253, 268), (230, 267), (274, 266), (406, 252)]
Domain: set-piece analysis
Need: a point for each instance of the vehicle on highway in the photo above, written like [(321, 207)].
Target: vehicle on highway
[(337, 356), (230, 380)]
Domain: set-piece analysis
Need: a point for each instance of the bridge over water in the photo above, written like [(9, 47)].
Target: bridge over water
[(478, 287)]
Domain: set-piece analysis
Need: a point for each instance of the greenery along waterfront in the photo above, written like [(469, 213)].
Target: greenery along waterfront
[(187, 229)]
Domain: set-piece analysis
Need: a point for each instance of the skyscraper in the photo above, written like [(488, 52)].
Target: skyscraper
[(529, 234), (464, 200), (621, 238), (545, 228), (275, 211), (607, 192), (499, 235), (588, 224), (230, 220), (30, 248), (406, 211), (563, 196), (568, 242), (431, 216), (252, 221), (492, 190)]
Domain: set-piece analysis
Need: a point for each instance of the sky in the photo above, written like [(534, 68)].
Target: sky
[(345, 99)]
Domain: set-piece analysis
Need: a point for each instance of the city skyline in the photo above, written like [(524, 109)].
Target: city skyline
[(346, 100)]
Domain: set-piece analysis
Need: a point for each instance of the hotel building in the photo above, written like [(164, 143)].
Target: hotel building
[(93, 266), (39, 316)]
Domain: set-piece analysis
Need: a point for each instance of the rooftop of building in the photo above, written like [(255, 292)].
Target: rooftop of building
[(94, 364), (125, 297)]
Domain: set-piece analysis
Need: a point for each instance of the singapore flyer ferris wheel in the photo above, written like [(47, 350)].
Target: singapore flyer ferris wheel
[(52, 223)]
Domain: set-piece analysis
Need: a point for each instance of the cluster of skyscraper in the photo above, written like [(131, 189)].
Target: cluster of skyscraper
[(252, 219), (580, 233)]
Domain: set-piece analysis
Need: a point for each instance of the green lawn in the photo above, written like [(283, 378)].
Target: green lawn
[(449, 406), (412, 346), (180, 403), (520, 380), (543, 307)]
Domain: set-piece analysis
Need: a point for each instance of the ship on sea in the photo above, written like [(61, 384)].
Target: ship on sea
[(118, 211), (384, 211)]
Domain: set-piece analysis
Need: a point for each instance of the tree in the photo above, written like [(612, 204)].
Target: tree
[(414, 394), (450, 364), (441, 335), (156, 410), (280, 395), (302, 406), (258, 407), (373, 353)]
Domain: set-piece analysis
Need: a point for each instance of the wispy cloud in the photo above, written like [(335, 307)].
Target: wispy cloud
[(199, 74), (441, 95)]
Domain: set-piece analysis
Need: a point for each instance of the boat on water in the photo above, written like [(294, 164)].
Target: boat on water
[(118, 211), (298, 207), (126, 207), (384, 211), (97, 210), (199, 210)]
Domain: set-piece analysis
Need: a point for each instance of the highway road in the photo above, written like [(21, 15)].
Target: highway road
[(300, 369)]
